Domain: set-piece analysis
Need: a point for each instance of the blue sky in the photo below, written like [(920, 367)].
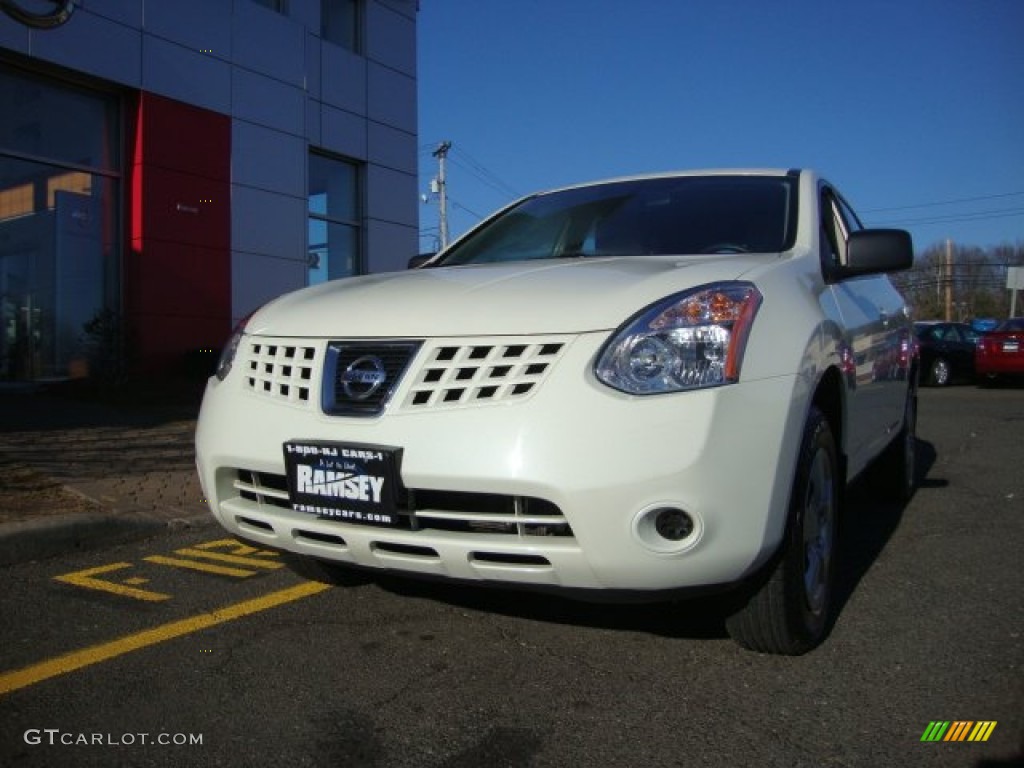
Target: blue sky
[(913, 108)]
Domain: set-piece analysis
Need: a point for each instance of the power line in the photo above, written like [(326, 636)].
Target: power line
[(494, 185), (483, 173), (958, 217), (461, 207), (944, 202)]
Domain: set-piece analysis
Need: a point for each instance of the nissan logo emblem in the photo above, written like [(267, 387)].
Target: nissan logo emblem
[(40, 20), (363, 377)]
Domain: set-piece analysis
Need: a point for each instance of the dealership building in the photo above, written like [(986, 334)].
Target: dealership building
[(167, 166)]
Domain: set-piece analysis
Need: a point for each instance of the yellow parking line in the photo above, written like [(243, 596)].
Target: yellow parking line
[(236, 547), (220, 570), (12, 681), (252, 562), (87, 579)]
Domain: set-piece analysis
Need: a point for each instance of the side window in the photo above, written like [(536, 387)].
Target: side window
[(838, 221), (956, 333), (852, 220)]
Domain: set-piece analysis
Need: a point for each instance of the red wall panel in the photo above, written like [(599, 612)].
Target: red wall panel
[(185, 208), (177, 279), (186, 138), (177, 269)]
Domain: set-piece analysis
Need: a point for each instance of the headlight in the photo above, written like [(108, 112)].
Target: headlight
[(689, 340), (227, 356)]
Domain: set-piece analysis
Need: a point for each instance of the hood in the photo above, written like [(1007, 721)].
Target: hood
[(520, 298)]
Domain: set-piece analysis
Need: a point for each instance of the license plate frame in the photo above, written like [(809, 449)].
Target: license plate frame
[(347, 482)]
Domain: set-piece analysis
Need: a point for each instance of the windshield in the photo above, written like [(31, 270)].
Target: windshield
[(663, 216), (1013, 324)]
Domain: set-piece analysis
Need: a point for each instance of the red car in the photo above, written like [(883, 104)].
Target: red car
[(1001, 351)]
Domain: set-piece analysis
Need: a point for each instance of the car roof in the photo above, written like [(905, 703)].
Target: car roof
[(696, 173)]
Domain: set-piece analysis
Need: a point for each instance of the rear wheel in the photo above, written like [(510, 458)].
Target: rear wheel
[(939, 374), (788, 610)]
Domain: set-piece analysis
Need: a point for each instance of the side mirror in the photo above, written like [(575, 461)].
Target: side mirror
[(870, 251)]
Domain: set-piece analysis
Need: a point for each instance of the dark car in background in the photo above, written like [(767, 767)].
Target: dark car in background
[(947, 351), (1000, 352)]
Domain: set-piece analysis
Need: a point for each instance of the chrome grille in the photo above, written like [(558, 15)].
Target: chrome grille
[(262, 488), (281, 371), (481, 372), (478, 513), (487, 513)]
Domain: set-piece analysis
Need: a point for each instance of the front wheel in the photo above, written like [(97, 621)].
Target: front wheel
[(788, 610)]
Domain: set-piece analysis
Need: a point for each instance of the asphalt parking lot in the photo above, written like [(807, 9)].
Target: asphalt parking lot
[(188, 648)]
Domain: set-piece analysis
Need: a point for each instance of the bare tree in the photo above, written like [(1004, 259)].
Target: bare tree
[(976, 278)]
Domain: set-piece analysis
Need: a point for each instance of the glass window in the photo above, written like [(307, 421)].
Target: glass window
[(35, 115), (839, 221), (335, 219), (658, 216), (280, 6), (341, 23), (59, 231)]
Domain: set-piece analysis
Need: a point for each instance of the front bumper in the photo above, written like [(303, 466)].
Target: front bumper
[(602, 459)]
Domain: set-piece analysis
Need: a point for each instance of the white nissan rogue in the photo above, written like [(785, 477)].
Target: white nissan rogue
[(639, 387)]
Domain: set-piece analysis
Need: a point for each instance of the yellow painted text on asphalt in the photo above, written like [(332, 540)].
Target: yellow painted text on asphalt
[(223, 557)]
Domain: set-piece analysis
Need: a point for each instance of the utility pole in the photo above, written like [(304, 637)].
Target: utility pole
[(441, 153), (949, 280)]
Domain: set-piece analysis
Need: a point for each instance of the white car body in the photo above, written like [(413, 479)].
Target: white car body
[(603, 461)]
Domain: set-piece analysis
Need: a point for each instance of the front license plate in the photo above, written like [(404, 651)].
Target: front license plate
[(344, 481), (1011, 346)]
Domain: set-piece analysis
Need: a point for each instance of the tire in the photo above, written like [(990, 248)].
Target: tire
[(940, 374), (788, 610), (325, 572), (897, 466)]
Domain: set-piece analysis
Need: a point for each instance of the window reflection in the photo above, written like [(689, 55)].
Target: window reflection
[(340, 23), (59, 237), (334, 231)]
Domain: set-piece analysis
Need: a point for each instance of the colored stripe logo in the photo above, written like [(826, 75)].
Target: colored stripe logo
[(958, 730)]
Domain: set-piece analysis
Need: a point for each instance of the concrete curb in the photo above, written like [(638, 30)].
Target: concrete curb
[(44, 537)]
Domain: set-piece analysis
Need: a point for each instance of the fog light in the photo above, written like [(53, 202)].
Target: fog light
[(665, 528), (673, 524)]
